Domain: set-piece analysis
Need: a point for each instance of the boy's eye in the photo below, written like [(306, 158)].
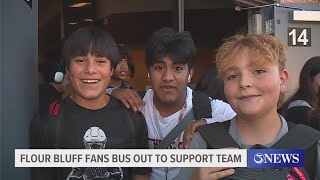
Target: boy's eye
[(102, 60), (233, 76), (158, 68), (178, 68), (121, 61), (79, 60), (259, 71)]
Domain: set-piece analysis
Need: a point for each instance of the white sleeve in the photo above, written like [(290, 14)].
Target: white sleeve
[(221, 112)]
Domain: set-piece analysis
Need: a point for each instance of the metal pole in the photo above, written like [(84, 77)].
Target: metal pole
[(181, 15)]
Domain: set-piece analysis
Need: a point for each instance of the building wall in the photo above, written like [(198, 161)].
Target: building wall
[(18, 69), (297, 55)]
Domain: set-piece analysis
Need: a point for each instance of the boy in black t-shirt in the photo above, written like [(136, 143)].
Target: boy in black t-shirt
[(89, 118)]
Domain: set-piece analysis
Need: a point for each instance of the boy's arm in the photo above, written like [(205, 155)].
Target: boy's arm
[(129, 97)]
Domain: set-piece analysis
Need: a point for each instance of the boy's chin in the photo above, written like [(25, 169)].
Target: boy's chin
[(168, 100)]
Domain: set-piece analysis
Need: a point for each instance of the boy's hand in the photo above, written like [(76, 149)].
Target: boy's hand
[(129, 97), (211, 173), (190, 130)]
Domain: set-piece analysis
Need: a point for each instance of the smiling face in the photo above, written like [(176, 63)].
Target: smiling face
[(253, 89), (89, 76), (169, 81)]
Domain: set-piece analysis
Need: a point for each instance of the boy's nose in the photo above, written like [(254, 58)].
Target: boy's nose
[(168, 75), (90, 67), (245, 81)]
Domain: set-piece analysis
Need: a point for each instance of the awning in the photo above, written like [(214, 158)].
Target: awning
[(248, 3)]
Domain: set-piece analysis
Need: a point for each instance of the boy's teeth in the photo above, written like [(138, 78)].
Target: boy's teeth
[(90, 81)]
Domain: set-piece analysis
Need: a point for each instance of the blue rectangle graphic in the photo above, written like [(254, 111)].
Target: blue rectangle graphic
[(275, 158)]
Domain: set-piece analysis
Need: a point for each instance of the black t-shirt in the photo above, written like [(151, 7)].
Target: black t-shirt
[(123, 85), (113, 127)]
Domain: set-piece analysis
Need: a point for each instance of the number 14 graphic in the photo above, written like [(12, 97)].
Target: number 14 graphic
[(299, 36)]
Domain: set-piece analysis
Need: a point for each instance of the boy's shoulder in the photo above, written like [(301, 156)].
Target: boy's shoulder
[(298, 136)]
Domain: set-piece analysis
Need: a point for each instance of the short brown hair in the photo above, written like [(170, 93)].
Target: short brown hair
[(265, 46), (90, 39)]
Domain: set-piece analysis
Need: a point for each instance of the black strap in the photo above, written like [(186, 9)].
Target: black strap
[(177, 130), (56, 124), (201, 105), (142, 93), (213, 133), (298, 137), (201, 109)]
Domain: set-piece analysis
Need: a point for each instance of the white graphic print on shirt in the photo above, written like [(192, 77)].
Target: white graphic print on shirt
[(95, 138)]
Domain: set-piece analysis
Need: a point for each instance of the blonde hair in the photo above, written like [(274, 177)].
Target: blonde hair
[(262, 48)]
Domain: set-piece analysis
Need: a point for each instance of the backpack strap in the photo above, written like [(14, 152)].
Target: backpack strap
[(176, 131), (299, 103), (201, 105), (302, 137), (142, 93), (56, 120), (298, 137), (212, 134), (201, 109)]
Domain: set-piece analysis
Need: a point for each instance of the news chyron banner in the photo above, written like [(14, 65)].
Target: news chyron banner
[(130, 158), (256, 158)]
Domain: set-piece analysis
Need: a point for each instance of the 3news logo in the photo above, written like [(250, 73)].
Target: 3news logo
[(275, 158)]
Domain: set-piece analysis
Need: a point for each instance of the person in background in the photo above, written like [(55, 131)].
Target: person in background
[(54, 87), (131, 71), (299, 106), (89, 118), (254, 74), (314, 118), (211, 84), (123, 70)]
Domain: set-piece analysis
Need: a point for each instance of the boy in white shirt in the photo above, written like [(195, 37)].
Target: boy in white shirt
[(170, 57)]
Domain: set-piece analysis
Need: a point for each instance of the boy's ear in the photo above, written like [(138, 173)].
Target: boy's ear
[(284, 81), (191, 72)]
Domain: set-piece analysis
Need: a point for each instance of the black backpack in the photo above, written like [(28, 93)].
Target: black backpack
[(294, 139)]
